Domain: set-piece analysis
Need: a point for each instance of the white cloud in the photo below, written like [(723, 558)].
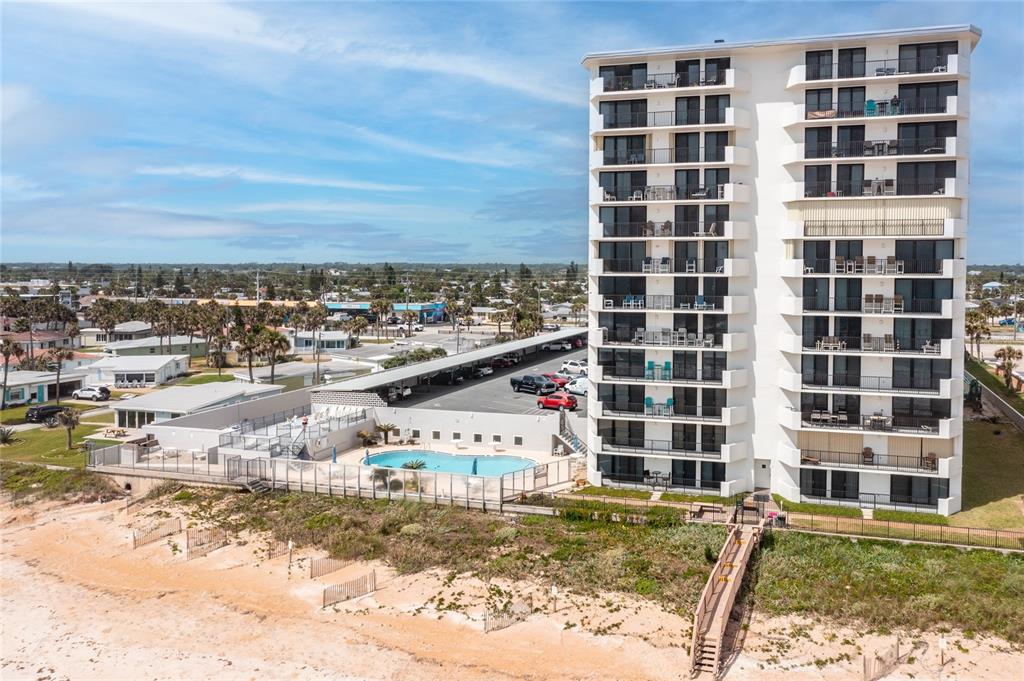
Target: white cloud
[(215, 172), (18, 188), (421, 213)]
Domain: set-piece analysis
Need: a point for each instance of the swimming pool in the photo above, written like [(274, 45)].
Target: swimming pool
[(462, 464)]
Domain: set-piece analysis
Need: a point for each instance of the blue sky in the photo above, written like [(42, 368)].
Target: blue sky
[(424, 132)]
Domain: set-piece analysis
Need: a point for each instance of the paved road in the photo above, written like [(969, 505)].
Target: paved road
[(493, 393)]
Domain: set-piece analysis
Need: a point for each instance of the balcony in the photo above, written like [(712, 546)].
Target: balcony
[(873, 266), (677, 374), (943, 427), (726, 267), (875, 189), (727, 452), (675, 230), (856, 383), (712, 80), (884, 228), (731, 192), (874, 149), (866, 460), (724, 155), (662, 338), (905, 110), (868, 344), (649, 409), (852, 72), (646, 121), (871, 305), (671, 303)]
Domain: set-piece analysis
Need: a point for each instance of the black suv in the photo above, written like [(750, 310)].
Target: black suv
[(46, 413)]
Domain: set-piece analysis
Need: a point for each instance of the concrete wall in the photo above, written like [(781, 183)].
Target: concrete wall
[(223, 417), (536, 430)]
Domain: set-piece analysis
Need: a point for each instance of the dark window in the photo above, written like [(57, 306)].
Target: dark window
[(851, 101), (818, 64), (817, 142), (845, 485), (624, 150), (851, 62), (813, 483), (688, 71), (926, 97), (911, 489), (623, 76), (714, 108), (924, 177), (629, 113), (688, 111), (818, 100), (926, 57)]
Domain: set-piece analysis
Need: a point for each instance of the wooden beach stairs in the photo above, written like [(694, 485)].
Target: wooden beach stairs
[(716, 601)]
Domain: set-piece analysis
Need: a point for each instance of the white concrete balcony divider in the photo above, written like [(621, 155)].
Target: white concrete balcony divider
[(736, 451), (791, 343), (733, 342), (790, 380), (734, 416), (880, 70), (791, 305), (731, 487), (734, 378)]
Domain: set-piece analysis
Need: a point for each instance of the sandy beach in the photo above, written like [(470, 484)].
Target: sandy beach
[(78, 603)]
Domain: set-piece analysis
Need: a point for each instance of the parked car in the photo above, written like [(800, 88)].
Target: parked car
[(578, 342), (417, 327), (558, 379), (533, 384), (558, 400), (551, 327), (46, 413), (513, 357), (500, 363), (482, 371), (574, 366), (95, 393), (557, 345), (578, 386)]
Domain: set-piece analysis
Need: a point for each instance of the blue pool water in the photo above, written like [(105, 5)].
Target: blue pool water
[(462, 464)]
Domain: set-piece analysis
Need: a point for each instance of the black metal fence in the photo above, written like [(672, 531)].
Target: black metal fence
[(1011, 540)]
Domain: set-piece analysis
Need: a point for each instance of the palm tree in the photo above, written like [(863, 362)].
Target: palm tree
[(1008, 357), (409, 316), (975, 328), (1018, 314), (58, 356), (189, 319), (381, 307), (578, 306), (153, 312), (385, 430), (354, 327), (8, 348), (250, 344), (500, 317), (274, 346), (987, 308), (217, 347), (211, 320), (313, 319), (68, 419)]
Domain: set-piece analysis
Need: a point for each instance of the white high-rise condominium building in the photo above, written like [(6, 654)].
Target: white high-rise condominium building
[(777, 241)]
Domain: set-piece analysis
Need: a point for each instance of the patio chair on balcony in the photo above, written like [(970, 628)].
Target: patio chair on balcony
[(889, 344), (647, 265), (897, 304), (888, 304), (666, 371), (691, 266), (858, 264), (870, 108), (870, 265), (699, 303), (691, 340), (609, 303), (666, 228), (840, 264), (649, 405), (842, 420), (699, 193), (638, 195), (889, 188), (708, 340), (867, 456), (890, 264), (609, 196), (931, 462), (649, 373), (665, 266)]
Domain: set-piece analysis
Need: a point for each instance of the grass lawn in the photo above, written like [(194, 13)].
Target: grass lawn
[(613, 492), (107, 418), (886, 585), (993, 479), (995, 384), (200, 379), (48, 446), (14, 415), (817, 509), (911, 517), (701, 498)]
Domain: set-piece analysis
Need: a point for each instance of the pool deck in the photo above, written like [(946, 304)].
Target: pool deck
[(356, 455)]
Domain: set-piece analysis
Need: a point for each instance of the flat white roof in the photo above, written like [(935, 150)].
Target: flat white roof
[(137, 362), (298, 369), (745, 44), (20, 377), (152, 340), (187, 399)]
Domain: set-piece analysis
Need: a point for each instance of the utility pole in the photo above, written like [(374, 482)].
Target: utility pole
[(408, 315), (257, 287)]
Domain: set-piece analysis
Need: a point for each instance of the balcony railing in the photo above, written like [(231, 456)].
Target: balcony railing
[(655, 447), (877, 68), (901, 382), (665, 373), (658, 119), (859, 148), (874, 304), (885, 227), (871, 264), (639, 301), (882, 187), (686, 154), (892, 107), (667, 337), (665, 192), (655, 480), (667, 228), (654, 81), (868, 459), (874, 343), (874, 422), (665, 409)]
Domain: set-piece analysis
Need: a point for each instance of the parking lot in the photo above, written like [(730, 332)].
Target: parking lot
[(494, 393)]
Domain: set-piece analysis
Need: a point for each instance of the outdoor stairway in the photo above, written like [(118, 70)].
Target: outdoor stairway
[(716, 601), (257, 486)]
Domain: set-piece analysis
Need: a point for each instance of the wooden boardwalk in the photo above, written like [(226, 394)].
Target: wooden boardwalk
[(716, 601)]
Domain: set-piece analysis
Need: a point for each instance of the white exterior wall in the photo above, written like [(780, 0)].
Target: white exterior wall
[(536, 430), (767, 88)]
